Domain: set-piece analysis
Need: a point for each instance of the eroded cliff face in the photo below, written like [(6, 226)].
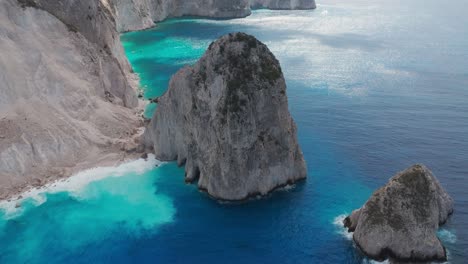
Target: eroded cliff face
[(141, 14), (66, 95), (400, 220), (227, 118), (211, 8), (283, 4), (137, 14)]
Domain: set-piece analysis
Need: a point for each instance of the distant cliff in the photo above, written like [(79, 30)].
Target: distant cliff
[(227, 119), (283, 4), (141, 14)]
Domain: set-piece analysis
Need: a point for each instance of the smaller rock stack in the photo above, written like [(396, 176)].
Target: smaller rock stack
[(400, 220)]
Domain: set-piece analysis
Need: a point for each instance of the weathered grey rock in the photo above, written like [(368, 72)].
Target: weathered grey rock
[(227, 118), (283, 4), (66, 96), (211, 8), (400, 220), (134, 14), (95, 21)]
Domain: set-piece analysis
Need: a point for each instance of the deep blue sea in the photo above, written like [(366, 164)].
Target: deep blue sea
[(374, 86)]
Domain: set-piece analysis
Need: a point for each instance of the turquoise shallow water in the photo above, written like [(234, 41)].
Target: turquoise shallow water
[(374, 87), (156, 56)]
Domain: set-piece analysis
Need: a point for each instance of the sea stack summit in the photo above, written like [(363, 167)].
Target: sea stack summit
[(400, 220), (227, 119)]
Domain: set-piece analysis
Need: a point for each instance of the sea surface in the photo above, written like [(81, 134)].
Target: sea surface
[(374, 86)]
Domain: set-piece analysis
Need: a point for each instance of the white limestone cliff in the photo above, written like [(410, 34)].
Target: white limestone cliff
[(67, 100), (283, 4)]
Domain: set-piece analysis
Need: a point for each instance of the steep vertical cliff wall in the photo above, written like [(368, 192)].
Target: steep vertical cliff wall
[(65, 91), (211, 8), (136, 14), (94, 21)]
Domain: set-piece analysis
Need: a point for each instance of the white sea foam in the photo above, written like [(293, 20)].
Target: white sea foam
[(338, 222), (288, 187), (77, 182), (370, 261), (447, 236)]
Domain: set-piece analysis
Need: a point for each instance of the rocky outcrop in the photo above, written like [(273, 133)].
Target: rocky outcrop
[(141, 14), (283, 4), (227, 119), (400, 220), (67, 98)]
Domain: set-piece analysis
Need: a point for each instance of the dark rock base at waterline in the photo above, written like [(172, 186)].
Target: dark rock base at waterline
[(252, 196)]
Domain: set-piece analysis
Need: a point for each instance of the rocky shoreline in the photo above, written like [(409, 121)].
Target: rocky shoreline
[(126, 151), (80, 99)]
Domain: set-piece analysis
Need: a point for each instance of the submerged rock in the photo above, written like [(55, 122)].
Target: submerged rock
[(227, 118), (400, 220)]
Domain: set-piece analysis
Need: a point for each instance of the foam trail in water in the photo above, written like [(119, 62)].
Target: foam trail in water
[(370, 261), (76, 183)]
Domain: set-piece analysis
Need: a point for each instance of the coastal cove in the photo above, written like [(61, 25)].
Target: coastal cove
[(373, 86)]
